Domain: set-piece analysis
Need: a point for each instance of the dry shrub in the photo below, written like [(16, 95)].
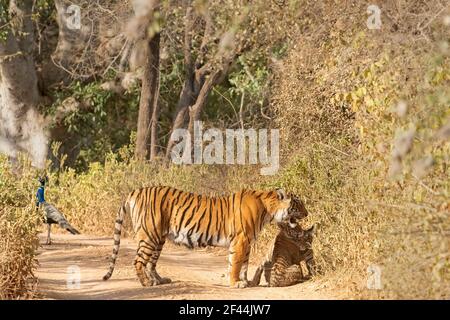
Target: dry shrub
[(337, 96), (18, 245), (18, 240)]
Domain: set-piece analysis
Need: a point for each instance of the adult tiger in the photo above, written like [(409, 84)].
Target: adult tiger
[(191, 219)]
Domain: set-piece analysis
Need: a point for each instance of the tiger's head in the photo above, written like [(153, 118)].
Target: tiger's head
[(303, 238), (296, 209), (278, 204)]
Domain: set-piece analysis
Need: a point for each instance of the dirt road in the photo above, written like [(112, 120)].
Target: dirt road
[(195, 274)]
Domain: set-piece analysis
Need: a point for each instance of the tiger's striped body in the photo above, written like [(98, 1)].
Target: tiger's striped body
[(160, 213), (282, 265)]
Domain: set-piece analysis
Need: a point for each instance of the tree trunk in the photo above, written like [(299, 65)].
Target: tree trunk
[(187, 98), (21, 126), (188, 94), (148, 106), (154, 48), (195, 110), (200, 75), (57, 69)]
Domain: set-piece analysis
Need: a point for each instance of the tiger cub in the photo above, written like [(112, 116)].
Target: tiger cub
[(282, 265)]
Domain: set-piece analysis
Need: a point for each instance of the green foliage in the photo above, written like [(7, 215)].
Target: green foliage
[(91, 131), (251, 77), (44, 11), (4, 20), (101, 121), (245, 92), (95, 100)]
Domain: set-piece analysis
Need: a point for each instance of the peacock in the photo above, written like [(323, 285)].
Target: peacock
[(52, 215)]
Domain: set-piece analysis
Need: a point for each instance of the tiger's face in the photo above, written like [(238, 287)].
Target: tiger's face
[(288, 209), (277, 205)]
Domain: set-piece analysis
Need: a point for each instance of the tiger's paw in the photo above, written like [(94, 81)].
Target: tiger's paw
[(154, 282), (253, 284), (145, 282), (240, 284), (165, 280), (157, 282)]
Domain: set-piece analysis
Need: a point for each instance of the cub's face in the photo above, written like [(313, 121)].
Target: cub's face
[(303, 238), (297, 209)]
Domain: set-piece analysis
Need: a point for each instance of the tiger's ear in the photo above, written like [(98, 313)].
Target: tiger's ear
[(281, 194)]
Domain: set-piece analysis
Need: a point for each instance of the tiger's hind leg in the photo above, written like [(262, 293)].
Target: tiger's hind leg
[(151, 267), (266, 267), (267, 271), (147, 256), (283, 277), (140, 262)]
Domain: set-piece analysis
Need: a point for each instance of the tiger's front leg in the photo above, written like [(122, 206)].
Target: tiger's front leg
[(257, 277), (311, 267), (238, 259)]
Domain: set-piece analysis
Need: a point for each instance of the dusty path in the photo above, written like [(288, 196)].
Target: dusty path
[(195, 274)]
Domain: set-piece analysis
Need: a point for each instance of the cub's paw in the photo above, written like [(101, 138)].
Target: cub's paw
[(240, 284)]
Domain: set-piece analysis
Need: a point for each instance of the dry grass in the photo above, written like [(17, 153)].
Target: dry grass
[(18, 245), (18, 240)]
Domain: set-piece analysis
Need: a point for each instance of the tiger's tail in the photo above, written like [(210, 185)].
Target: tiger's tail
[(117, 232)]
